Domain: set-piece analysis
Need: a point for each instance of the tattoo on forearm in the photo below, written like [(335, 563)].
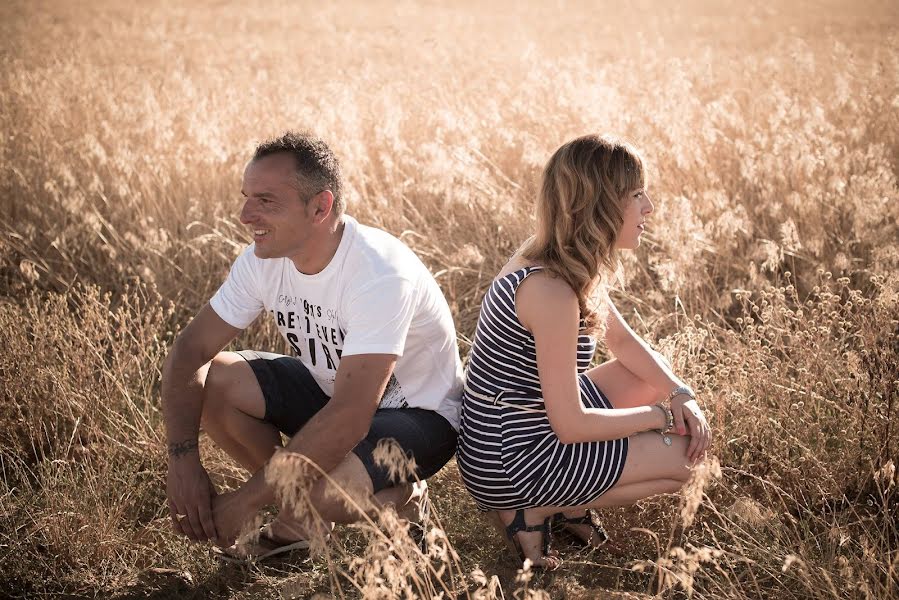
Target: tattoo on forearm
[(179, 449)]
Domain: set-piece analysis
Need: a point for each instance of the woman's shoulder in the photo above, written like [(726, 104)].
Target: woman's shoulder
[(544, 302), (533, 276), (546, 287), (515, 265)]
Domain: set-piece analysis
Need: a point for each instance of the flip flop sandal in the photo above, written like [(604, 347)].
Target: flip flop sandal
[(596, 529), (264, 548), (418, 530)]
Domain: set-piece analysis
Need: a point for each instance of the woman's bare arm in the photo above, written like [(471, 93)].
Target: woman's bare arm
[(641, 360), (548, 308)]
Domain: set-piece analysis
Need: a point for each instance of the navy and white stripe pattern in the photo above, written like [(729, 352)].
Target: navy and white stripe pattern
[(508, 455)]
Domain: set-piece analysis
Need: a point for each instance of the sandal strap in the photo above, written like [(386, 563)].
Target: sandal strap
[(588, 518), (518, 524), (547, 528), (561, 520)]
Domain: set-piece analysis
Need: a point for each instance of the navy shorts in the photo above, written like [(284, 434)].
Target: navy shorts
[(292, 397)]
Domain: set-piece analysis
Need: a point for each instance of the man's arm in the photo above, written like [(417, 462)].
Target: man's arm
[(189, 490), (328, 436), (345, 420)]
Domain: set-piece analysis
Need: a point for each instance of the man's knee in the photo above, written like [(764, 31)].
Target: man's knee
[(230, 383), (221, 376), (346, 493)]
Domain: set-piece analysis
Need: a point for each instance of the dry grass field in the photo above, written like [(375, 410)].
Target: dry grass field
[(769, 273)]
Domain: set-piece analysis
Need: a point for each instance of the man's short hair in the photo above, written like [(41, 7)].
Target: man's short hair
[(317, 167)]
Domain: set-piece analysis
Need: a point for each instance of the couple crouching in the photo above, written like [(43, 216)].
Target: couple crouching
[(541, 439)]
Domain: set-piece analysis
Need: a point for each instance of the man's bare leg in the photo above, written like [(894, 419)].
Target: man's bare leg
[(233, 413), (345, 496)]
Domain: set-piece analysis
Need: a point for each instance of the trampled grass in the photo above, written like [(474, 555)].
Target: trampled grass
[(769, 276)]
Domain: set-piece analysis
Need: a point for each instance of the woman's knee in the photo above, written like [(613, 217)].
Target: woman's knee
[(651, 458), (621, 386), (679, 464)]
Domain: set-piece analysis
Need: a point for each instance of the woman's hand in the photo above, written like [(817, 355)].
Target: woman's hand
[(689, 420)]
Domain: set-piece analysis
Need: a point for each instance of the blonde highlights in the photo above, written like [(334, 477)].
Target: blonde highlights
[(579, 215)]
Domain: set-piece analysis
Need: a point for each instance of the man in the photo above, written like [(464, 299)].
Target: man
[(375, 357)]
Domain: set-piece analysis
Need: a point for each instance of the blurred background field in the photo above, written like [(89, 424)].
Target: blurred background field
[(769, 274)]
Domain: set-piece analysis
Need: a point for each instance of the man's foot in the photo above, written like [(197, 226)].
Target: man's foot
[(284, 534), (264, 547), (286, 528), (417, 511)]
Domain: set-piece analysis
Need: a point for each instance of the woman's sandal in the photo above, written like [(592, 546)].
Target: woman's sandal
[(598, 535), (550, 560)]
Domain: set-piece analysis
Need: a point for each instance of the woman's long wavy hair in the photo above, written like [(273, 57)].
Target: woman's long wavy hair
[(579, 215)]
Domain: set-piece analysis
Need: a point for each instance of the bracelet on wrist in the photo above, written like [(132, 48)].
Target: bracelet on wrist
[(669, 419), (682, 389), (669, 423)]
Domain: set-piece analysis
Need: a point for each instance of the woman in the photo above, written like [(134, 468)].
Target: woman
[(543, 439)]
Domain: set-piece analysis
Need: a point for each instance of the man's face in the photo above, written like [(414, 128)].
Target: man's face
[(275, 213)]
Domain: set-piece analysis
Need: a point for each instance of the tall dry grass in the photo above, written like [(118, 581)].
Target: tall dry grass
[(770, 275)]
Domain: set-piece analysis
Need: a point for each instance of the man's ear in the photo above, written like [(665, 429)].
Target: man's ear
[(322, 205)]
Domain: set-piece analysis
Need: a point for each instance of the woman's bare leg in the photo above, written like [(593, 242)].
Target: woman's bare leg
[(530, 542), (625, 390), (651, 468)]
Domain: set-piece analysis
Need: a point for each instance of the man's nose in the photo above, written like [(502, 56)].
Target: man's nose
[(649, 206), (247, 214)]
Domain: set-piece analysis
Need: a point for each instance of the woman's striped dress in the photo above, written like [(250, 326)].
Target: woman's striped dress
[(508, 455)]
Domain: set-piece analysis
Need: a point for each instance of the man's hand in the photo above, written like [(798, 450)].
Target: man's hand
[(190, 494), (188, 487)]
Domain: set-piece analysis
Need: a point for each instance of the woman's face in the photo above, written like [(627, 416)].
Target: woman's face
[(636, 207)]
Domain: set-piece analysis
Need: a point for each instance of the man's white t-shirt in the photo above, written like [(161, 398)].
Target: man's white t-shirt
[(374, 297)]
